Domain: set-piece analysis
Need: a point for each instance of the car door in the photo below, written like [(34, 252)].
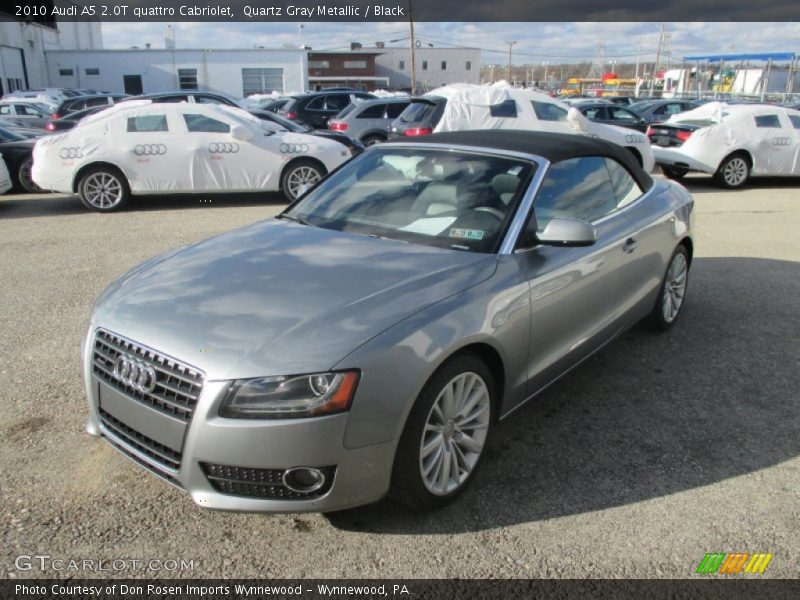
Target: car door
[(774, 145), (575, 295), (151, 157), (626, 118), (30, 115), (597, 114), (794, 122)]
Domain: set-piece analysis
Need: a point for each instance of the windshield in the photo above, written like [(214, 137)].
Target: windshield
[(442, 198)]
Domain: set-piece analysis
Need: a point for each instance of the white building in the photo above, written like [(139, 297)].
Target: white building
[(435, 67), (23, 48), (237, 73)]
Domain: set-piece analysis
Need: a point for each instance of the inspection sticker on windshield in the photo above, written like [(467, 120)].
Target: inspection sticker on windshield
[(468, 234)]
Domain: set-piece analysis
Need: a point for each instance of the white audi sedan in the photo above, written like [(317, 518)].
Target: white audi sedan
[(139, 147)]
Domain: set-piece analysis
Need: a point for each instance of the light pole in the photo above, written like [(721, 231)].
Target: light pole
[(508, 71), (545, 65), (413, 54)]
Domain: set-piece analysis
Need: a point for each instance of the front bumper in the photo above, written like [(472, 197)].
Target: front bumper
[(361, 475)]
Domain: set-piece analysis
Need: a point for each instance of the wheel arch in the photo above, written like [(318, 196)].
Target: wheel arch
[(298, 159), (92, 165), (746, 154), (689, 245)]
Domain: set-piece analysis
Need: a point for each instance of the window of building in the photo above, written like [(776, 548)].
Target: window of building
[(402, 65), (768, 121), (187, 79), (204, 124), (147, 123), (262, 81), (66, 72), (424, 65), (92, 72), (319, 64), (355, 64), (468, 66), (444, 65)]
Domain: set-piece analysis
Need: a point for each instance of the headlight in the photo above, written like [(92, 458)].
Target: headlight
[(290, 397)]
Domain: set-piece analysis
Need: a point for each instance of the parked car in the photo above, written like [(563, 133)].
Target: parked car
[(29, 114), (621, 100), (195, 97), (5, 178), (17, 153), (82, 102), (369, 121), (315, 109), (367, 340), (657, 111), (49, 97), (611, 114), (730, 142), (419, 117), (135, 148), (70, 120), (354, 146), (14, 126)]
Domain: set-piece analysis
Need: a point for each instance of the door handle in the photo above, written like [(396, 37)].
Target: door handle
[(629, 246)]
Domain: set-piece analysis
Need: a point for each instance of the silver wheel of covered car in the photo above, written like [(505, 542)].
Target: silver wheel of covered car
[(299, 177), (25, 179), (445, 435), (103, 189), (672, 294), (734, 171)]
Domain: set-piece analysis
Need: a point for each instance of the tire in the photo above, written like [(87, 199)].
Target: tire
[(373, 139), (672, 293), (24, 181), (674, 173), (733, 172), (104, 189), (431, 443), (299, 176)]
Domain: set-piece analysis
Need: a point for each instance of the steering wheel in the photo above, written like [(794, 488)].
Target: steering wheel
[(497, 214)]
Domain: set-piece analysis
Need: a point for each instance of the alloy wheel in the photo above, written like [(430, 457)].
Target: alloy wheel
[(102, 190), (674, 288), (735, 171), (301, 179)]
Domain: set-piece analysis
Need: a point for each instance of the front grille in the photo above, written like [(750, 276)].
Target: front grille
[(166, 457), (178, 385), (143, 463), (259, 483)]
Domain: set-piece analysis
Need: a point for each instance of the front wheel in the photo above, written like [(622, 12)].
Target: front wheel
[(733, 172), (299, 177), (673, 291), (445, 436), (103, 189)]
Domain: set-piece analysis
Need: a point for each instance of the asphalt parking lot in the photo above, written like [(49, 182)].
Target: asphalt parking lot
[(656, 451)]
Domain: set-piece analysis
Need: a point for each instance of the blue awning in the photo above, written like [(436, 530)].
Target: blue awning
[(735, 57)]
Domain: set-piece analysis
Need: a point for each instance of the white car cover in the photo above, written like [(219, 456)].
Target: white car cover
[(769, 134), (5, 178), (469, 106), (130, 136)]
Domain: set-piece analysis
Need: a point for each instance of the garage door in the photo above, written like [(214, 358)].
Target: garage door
[(11, 70)]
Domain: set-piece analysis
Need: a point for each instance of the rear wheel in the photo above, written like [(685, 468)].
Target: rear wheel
[(445, 436), (24, 177), (673, 291), (299, 177), (104, 189), (676, 173), (733, 172)]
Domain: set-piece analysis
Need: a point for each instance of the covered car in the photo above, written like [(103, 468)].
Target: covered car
[(471, 107), (733, 142), (138, 147)]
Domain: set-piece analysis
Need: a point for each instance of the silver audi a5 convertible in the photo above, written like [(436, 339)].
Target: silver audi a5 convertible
[(365, 342)]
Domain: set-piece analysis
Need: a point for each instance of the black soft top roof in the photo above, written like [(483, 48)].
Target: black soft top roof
[(554, 147)]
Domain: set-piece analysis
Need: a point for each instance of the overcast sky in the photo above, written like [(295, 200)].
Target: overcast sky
[(536, 42)]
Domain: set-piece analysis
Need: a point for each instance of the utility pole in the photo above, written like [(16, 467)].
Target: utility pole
[(508, 71), (413, 54), (636, 77), (658, 58)]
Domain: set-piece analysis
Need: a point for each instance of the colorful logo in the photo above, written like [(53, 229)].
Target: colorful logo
[(736, 562)]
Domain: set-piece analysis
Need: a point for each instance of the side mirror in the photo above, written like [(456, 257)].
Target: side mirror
[(241, 133), (568, 232)]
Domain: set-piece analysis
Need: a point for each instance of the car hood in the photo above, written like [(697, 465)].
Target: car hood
[(279, 298)]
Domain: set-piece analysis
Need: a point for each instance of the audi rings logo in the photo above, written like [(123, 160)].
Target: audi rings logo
[(71, 152), (135, 373), (149, 149), (781, 141), (632, 138), (223, 147), (294, 148)]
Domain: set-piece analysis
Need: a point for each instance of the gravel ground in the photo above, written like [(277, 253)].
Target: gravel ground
[(661, 448)]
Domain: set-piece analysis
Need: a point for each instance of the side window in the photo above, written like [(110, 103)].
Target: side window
[(626, 188), (545, 111), (204, 124), (147, 123), (577, 188), (5, 109), (770, 121), (620, 114), (596, 113), (337, 102), (316, 104), (673, 109), (508, 108), (24, 109), (95, 102), (795, 121), (393, 110), (171, 99), (373, 112)]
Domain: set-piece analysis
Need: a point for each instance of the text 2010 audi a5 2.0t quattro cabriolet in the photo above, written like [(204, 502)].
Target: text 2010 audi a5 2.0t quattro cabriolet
[(366, 340)]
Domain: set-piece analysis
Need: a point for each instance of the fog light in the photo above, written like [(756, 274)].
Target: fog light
[(303, 480)]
